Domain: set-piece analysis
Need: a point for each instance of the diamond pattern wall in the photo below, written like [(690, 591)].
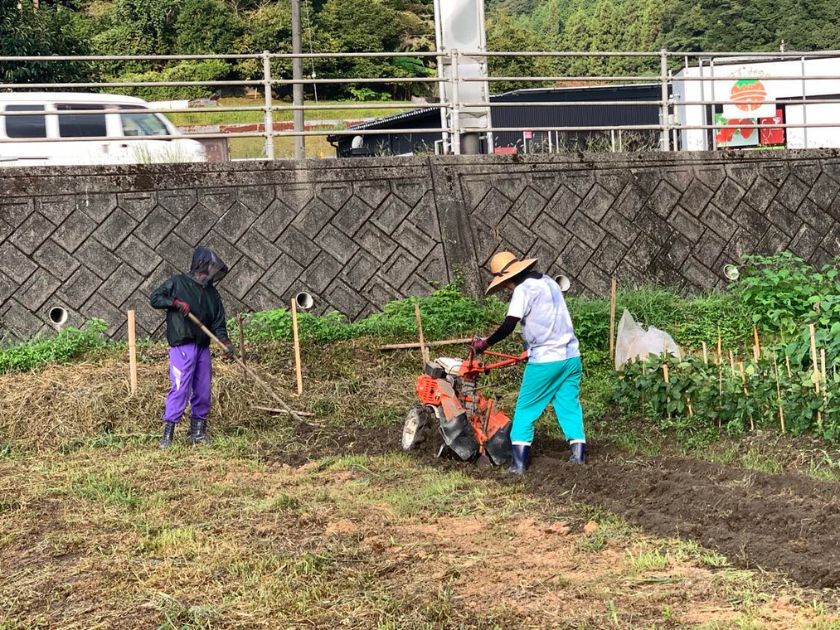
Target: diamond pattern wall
[(357, 234)]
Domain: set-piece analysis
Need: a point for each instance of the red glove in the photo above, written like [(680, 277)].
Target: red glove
[(181, 306), (479, 345)]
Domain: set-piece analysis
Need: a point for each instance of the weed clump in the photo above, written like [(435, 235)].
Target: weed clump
[(67, 345), (445, 312)]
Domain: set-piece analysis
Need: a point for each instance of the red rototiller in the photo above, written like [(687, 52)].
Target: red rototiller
[(453, 407)]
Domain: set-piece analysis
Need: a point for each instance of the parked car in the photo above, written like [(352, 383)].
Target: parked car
[(87, 137)]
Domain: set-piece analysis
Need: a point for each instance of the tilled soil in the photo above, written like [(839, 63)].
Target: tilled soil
[(783, 522), (778, 522)]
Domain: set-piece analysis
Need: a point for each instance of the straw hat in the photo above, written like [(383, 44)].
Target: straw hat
[(504, 266)]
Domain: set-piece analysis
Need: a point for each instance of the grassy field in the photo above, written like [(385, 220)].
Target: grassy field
[(367, 110), (116, 533), (327, 524), (254, 148)]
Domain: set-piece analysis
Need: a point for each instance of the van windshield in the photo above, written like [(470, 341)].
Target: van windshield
[(146, 124)]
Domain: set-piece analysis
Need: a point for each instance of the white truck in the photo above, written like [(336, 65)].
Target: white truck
[(748, 81)]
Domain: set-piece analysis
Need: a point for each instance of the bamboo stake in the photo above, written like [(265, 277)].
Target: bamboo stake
[(424, 351), (787, 364), (667, 376), (239, 323), (296, 341), (779, 395), (705, 354), (429, 344), (816, 376), (756, 344), (613, 292), (720, 346), (732, 363), (822, 369), (816, 365), (746, 393), (132, 352), (824, 377), (250, 372)]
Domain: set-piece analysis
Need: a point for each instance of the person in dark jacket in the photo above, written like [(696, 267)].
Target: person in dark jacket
[(189, 352)]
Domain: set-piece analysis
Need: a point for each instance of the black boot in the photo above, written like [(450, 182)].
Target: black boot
[(168, 435), (198, 431), (578, 453), (519, 463)]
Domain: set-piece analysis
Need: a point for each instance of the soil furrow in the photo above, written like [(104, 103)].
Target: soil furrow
[(779, 522)]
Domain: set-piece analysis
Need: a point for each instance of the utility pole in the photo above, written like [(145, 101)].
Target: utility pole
[(297, 75)]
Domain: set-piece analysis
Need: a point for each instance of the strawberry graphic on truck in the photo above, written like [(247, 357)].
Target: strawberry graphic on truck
[(748, 94)]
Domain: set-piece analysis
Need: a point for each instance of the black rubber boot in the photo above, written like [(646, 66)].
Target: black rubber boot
[(198, 431), (578, 453), (168, 435), (519, 463)]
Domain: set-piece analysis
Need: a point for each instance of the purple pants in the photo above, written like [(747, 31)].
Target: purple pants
[(190, 372)]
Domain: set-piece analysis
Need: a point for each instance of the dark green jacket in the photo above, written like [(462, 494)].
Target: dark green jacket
[(203, 298)]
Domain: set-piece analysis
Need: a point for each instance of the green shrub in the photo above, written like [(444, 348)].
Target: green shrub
[(69, 344), (204, 70), (783, 293), (446, 312)]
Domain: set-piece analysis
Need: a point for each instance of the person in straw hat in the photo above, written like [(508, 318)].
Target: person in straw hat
[(553, 372)]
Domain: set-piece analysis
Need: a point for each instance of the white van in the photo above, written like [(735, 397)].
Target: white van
[(92, 138)]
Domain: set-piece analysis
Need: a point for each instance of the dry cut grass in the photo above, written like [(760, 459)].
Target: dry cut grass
[(60, 405)]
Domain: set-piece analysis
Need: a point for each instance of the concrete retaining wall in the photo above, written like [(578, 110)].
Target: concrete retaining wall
[(358, 233)]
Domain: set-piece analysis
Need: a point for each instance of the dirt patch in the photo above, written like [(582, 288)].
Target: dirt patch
[(778, 522)]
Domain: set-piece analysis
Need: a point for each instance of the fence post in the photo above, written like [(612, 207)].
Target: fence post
[(455, 104), (663, 65), (804, 106), (297, 88), (268, 119)]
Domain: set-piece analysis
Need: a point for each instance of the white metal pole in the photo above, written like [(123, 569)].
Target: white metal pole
[(445, 112), (804, 107), (268, 119), (297, 75), (456, 103), (712, 121), (663, 64)]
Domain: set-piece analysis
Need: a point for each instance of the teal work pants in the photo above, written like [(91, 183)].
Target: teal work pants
[(557, 383)]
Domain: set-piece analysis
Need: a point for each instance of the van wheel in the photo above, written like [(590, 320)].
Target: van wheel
[(417, 428)]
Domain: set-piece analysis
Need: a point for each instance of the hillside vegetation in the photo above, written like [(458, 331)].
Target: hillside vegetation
[(143, 27)]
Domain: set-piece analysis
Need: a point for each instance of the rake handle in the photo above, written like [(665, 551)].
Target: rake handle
[(247, 369)]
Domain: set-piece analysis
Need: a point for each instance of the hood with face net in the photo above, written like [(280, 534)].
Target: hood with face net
[(207, 267)]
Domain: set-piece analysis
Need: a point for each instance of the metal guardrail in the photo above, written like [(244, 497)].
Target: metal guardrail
[(668, 128)]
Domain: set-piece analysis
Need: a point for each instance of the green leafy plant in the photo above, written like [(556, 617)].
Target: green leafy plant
[(784, 292), (447, 311), (699, 400), (366, 94), (69, 344)]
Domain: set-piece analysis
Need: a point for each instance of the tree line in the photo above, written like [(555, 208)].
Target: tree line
[(145, 27)]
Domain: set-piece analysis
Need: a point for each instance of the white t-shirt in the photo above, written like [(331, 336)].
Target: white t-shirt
[(546, 324)]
